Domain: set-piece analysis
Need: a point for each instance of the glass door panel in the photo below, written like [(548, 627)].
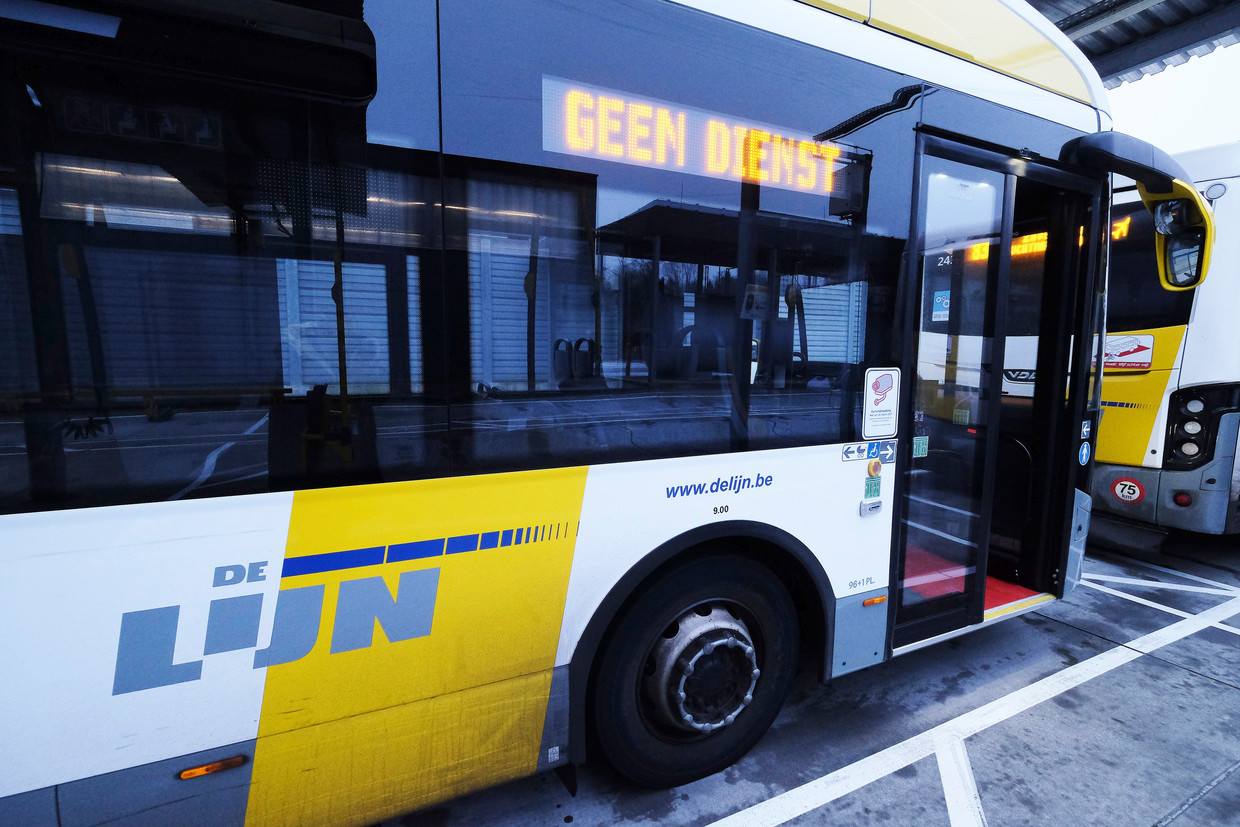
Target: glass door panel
[(1002, 272), (1021, 451), (945, 520)]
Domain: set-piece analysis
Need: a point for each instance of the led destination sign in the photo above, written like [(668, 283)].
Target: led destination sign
[(1035, 243), (1025, 245), (601, 123)]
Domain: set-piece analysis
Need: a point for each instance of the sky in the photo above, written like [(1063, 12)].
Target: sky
[(1183, 107)]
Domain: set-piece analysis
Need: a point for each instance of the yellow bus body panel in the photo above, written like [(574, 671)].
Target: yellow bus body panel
[(854, 9), (353, 736), (987, 33), (1131, 400)]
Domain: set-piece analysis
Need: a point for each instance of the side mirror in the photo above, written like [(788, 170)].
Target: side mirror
[(1184, 226), (1184, 220)]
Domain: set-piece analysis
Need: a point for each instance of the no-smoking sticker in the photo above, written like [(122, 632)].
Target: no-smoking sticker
[(1128, 490)]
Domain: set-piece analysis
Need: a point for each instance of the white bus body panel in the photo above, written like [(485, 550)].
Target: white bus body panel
[(64, 569), (814, 494), (1210, 344)]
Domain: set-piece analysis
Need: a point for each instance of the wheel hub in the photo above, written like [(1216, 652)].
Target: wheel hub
[(705, 673)]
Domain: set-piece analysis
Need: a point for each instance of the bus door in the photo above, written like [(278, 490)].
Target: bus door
[(1001, 289)]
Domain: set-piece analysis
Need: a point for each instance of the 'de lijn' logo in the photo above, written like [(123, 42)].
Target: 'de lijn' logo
[(145, 652)]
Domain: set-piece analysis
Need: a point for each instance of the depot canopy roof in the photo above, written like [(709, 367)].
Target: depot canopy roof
[(1128, 39)]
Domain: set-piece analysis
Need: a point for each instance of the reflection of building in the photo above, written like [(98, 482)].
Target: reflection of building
[(641, 341), (166, 249), (814, 275)]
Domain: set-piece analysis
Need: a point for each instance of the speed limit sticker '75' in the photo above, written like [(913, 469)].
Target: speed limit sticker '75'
[(1128, 490)]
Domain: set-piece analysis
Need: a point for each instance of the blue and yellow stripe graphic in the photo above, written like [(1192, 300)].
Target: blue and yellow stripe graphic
[(421, 549)]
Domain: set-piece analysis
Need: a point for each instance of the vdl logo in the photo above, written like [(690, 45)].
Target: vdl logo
[(144, 655), (1022, 376)]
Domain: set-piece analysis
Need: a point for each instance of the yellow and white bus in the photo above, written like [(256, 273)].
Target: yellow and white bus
[(380, 410), (1171, 398)]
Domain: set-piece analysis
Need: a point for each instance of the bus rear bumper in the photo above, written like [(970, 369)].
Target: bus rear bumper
[(1119, 534), (1148, 495)]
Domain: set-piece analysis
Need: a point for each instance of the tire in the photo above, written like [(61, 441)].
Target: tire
[(700, 628)]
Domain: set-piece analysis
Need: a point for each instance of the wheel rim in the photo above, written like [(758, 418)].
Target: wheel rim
[(704, 670)]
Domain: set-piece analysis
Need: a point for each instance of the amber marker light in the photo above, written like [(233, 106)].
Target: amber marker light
[(214, 766), (874, 601)]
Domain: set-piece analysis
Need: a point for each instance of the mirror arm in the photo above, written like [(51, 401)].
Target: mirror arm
[(1115, 152), (1159, 178)]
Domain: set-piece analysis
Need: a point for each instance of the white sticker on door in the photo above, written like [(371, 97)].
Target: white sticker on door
[(879, 420)]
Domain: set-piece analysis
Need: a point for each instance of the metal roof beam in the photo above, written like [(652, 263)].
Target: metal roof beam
[(1099, 16), (1200, 29)]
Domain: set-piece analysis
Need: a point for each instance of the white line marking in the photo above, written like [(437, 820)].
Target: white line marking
[(1139, 600), (801, 800), (1143, 602), (232, 480), (1175, 573), (1188, 626), (1158, 584), (254, 428), (964, 802), (208, 465)]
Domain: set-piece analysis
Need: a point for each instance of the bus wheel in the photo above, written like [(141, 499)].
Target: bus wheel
[(695, 670)]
